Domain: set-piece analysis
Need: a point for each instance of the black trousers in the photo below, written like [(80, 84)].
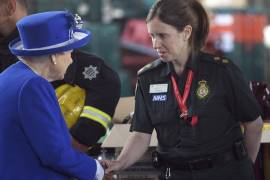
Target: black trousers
[(234, 170)]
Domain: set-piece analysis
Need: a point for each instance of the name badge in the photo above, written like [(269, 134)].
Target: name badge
[(158, 88), (160, 97)]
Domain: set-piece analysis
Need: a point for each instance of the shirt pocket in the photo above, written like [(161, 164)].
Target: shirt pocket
[(167, 124), (164, 116)]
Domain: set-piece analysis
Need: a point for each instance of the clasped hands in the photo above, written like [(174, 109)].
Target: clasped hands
[(110, 167)]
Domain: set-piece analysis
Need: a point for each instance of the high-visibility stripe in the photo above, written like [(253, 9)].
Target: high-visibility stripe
[(97, 115), (266, 126)]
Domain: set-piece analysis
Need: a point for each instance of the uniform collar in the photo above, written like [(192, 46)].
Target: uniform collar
[(166, 70), (4, 41), (71, 71), (192, 64)]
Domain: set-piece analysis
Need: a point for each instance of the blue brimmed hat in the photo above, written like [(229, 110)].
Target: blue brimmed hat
[(48, 33)]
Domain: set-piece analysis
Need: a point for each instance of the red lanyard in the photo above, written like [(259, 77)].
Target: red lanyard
[(182, 100)]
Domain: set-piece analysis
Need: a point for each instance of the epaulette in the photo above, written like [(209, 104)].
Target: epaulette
[(149, 66), (217, 60)]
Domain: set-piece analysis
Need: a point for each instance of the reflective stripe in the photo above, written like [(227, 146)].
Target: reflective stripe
[(97, 115), (266, 126)]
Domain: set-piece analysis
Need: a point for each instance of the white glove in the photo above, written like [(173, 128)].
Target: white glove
[(99, 172)]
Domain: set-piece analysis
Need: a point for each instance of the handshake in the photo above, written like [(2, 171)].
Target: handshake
[(105, 169)]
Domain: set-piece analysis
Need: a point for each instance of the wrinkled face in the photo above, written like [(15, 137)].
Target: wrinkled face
[(62, 61), (167, 40)]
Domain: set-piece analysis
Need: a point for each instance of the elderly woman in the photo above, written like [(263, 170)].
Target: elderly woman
[(34, 140)]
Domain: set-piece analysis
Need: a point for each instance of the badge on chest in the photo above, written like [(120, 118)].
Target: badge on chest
[(158, 88), (202, 90), (157, 91), (159, 97)]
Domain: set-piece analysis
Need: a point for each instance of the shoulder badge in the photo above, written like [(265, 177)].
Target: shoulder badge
[(216, 58), (225, 61), (203, 89), (221, 60), (90, 72)]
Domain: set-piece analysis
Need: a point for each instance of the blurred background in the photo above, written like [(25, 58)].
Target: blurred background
[(239, 30)]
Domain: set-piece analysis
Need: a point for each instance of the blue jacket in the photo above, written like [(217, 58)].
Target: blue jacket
[(34, 140)]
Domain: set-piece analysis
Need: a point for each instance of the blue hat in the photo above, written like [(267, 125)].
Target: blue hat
[(48, 33)]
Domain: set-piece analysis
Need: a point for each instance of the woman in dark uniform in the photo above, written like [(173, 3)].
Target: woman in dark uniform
[(195, 101)]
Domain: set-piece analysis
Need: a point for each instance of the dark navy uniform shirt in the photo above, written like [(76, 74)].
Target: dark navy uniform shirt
[(219, 96)]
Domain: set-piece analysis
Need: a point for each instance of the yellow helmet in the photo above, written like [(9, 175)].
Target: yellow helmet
[(71, 100)]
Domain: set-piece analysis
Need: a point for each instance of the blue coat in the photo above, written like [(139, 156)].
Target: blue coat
[(34, 140)]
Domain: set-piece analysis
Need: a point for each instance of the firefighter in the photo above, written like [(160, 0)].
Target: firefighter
[(88, 115)]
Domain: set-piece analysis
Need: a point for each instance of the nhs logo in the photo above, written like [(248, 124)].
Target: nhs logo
[(160, 97)]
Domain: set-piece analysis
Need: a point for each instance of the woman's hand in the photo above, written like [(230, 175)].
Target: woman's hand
[(113, 166)]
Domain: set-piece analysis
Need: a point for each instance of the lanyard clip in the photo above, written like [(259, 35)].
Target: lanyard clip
[(184, 115)]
